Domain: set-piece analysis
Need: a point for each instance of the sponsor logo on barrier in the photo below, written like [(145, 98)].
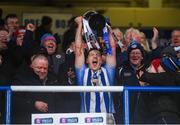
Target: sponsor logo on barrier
[(69, 120), (43, 120), (94, 120)]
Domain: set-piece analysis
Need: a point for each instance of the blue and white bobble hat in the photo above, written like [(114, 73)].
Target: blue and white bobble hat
[(135, 45)]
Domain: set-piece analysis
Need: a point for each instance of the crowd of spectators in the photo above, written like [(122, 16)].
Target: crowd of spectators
[(29, 56)]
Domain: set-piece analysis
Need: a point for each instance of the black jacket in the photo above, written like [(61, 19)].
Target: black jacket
[(127, 77), (19, 54), (163, 102), (23, 102), (73, 101)]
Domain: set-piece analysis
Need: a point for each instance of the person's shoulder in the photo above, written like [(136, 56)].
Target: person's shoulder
[(125, 67), (82, 68), (23, 75), (125, 64)]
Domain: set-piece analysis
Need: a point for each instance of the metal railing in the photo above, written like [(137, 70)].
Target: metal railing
[(126, 90)]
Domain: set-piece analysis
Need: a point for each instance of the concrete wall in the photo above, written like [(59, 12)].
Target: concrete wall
[(121, 17)]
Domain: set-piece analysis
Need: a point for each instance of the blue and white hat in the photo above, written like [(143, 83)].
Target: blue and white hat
[(135, 45)]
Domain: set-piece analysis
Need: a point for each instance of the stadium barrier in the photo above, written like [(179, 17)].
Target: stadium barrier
[(125, 89)]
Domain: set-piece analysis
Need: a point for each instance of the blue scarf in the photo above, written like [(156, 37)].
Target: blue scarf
[(106, 95)]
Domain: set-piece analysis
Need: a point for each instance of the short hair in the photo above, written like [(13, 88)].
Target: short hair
[(46, 20), (71, 23), (92, 49), (175, 31), (39, 56), (134, 30), (68, 38), (12, 15), (2, 28)]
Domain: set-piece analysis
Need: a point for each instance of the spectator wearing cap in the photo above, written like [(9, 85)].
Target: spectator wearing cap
[(49, 43), (163, 71), (128, 75), (19, 36)]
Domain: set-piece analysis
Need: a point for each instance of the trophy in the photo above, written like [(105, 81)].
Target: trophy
[(96, 30)]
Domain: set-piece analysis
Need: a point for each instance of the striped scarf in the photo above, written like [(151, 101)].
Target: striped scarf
[(102, 100)]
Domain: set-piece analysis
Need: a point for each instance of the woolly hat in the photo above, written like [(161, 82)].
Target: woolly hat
[(135, 45), (46, 37)]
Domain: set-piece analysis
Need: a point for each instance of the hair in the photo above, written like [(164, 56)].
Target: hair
[(93, 50), (71, 23), (10, 16), (38, 56), (175, 31), (136, 31), (69, 34), (46, 20), (117, 30), (2, 28), (68, 38)]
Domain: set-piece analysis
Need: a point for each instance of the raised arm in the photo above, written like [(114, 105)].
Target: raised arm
[(111, 59), (79, 49), (155, 38)]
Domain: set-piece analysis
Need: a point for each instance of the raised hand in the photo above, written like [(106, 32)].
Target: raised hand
[(30, 27), (155, 38)]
